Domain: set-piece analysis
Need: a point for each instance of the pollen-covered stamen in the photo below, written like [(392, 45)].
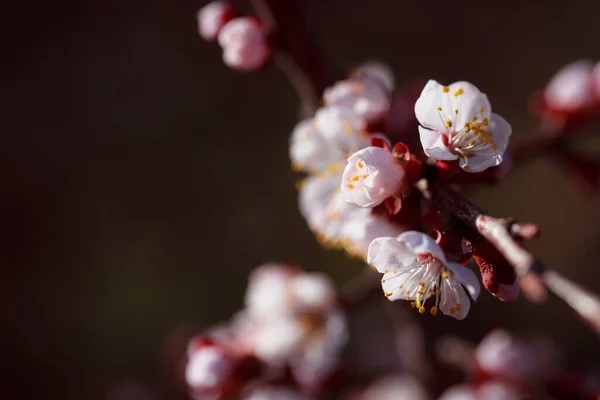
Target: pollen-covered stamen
[(473, 137)]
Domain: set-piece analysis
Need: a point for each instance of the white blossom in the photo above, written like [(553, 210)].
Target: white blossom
[(342, 128), (457, 123), (309, 151), (415, 269), (570, 89), (244, 44), (208, 367), (364, 95), (358, 233), (500, 354), (212, 17), (371, 175)]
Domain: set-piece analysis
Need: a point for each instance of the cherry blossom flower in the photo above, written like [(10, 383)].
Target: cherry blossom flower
[(502, 355), (309, 151), (296, 318), (358, 233), (244, 44), (371, 175), (212, 17), (343, 129), (208, 368), (415, 269), (457, 123), (365, 95), (571, 88)]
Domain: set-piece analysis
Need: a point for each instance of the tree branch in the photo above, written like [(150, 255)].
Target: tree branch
[(505, 235)]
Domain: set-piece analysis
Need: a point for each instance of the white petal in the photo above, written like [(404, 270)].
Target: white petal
[(342, 128), (466, 277), (387, 253), (420, 243), (469, 101), (459, 392), (426, 107), (308, 149), (433, 145), (313, 291), (360, 232)]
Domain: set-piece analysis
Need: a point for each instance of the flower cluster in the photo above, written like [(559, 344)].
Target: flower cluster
[(243, 39), (361, 193), (291, 323), (335, 198)]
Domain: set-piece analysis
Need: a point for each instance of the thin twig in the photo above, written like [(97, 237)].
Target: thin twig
[(295, 53)]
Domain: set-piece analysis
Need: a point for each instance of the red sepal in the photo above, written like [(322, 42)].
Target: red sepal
[(393, 204)]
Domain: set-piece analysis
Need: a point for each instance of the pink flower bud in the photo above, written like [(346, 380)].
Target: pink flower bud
[(212, 17), (244, 44), (570, 90)]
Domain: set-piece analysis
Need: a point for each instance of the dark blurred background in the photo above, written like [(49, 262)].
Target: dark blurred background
[(141, 180)]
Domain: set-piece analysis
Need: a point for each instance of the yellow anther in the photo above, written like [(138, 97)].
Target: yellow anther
[(401, 286), (385, 271), (388, 294), (481, 110), (494, 146), (299, 184), (472, 143), (359, 164), (394, 272), (459, 92), (418, 301), (448, 123), (445, 274), (355, 178), (407, 291), (456, 112), (413, 304), (428, 296), (466, 167), (439, 108), (446, 89), (422, 310), (348, 129), (457, 307), (474, 118), (383, 281), (444, 303), (434, 310), (485, 122), (350, 186), (365, 176)]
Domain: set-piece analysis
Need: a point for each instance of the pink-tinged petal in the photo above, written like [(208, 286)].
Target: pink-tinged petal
[(460, 392), (433, 145), (466, 277), (387, 253), (371, 175), (420, 243), (212, 17), (570, 89), (501, 131), (364, 96)]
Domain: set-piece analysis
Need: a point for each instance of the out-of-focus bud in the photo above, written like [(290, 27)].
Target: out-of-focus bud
[(570, 91), (491, 390), (212, 17), (244, 44)]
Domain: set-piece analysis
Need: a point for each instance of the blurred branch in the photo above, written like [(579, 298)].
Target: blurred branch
[(295, 53), (505, 235)]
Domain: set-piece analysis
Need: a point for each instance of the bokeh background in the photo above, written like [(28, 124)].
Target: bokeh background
[(141, 180)]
